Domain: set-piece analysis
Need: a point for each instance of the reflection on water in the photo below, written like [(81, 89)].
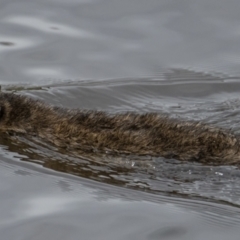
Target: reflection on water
[(110, 39), (40, 204), (98, 211)]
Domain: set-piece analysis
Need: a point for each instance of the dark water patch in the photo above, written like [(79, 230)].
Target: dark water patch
[(8, 44), (168, 233)]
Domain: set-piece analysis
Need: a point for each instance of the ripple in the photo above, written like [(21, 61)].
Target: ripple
[(48, 26)]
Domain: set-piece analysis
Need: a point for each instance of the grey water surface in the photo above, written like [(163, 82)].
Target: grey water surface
[(179, 58)]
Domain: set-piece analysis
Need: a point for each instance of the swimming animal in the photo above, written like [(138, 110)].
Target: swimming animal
[(127, 133)]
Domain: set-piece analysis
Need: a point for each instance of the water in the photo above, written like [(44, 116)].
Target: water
[(39, 204), (177, 58)]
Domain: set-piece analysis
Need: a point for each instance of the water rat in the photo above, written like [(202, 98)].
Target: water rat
[(141, 134)]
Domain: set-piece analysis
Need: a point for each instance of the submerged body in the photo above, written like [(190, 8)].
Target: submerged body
[(141, 134)]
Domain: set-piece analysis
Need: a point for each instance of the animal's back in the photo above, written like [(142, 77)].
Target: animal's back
[(142, 134)]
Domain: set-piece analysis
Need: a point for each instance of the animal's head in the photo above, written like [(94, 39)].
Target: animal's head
[(13, 110), (5, 107)]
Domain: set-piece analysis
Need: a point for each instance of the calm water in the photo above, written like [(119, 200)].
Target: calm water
[(176, 57)]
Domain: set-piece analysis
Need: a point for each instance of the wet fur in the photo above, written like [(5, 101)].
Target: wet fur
[(141, 134)]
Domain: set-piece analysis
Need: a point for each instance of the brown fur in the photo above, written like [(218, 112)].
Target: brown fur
[(141, 134)]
